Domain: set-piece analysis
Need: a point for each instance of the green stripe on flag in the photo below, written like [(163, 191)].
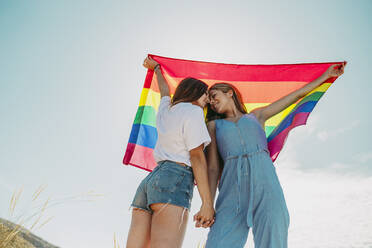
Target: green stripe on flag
[(146, 115), (268, 130)]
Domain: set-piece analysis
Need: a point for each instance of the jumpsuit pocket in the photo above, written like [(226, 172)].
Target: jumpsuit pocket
[(168, 180)]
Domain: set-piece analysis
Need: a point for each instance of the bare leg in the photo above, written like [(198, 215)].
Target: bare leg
[(168, 225), (140, 227)]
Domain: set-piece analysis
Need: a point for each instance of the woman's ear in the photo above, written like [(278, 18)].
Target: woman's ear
[(230, 93)]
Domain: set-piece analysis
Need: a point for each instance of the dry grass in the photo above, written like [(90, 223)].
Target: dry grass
[(116, 243), (9, 237), (201, 246)]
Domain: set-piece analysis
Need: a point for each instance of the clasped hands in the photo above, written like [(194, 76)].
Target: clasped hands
[(205, 217)]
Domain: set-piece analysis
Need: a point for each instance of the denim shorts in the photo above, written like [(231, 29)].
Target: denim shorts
[(168, 183)]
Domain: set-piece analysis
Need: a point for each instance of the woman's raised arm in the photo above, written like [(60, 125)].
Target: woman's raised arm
[(267, 112), (151, 64)]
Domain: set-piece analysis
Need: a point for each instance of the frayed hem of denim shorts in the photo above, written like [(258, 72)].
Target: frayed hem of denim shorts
[(133, 207)]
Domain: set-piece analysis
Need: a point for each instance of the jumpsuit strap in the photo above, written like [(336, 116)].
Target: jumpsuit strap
[(239, 176), (250, 202)]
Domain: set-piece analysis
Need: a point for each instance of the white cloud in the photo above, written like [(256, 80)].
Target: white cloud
[(330, 206), (324, 135), (355, 167), (363, 157), (328, 210)]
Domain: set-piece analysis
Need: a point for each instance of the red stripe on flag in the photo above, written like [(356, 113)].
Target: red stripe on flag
[(141, 157), (232, 72)]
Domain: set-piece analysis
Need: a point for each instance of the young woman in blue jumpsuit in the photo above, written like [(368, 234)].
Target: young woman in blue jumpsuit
[(250, 195)]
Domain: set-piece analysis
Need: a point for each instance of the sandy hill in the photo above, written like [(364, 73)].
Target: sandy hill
[(22, 239)]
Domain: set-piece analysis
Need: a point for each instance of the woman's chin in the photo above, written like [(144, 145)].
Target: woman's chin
[(217, 110)]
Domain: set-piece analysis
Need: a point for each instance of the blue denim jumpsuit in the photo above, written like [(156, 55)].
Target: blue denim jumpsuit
[(250, 194)]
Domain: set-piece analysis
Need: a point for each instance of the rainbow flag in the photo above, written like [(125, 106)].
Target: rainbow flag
[(259, 85)]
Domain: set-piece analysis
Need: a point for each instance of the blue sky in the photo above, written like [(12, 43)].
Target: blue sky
[(70, 80)]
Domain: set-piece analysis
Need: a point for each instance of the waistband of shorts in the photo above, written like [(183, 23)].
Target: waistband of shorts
[(182, 165)]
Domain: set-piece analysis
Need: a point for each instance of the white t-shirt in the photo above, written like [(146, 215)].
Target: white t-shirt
[(181, 128)]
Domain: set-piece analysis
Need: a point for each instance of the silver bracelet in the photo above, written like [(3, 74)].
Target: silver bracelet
[(156, 67)]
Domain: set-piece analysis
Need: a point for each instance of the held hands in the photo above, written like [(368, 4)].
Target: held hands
[(335, 70), (205, 217), (149, 63)]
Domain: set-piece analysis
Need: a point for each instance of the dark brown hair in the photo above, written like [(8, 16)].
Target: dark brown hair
[(237, 97), (189, 90)]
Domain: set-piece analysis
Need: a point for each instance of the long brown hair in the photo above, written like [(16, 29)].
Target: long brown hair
[(189, 90), (237, 97)]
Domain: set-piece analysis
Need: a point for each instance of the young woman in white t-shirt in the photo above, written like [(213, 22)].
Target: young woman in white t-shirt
[(162, 201)]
